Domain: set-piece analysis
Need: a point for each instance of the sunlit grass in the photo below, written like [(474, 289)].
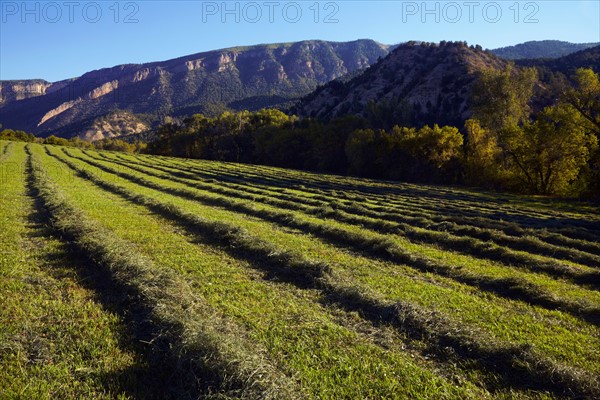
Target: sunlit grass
[(272, 283)]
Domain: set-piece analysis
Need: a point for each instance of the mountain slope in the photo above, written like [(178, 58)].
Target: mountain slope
[(242, 77), (588, 58), (414, 84), (541, 49)]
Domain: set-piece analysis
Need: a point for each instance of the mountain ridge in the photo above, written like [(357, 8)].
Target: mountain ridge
[(571, 48), (541, 49), (587, 58), (205, 82), (239, 77)]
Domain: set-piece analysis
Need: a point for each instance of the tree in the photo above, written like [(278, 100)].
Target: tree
[(427, 154), (585, 98), (9, 134), (482, 155), (57, 141), (389, 112), (547, 155), (269, 117), (361, 151), (115, 145), (440, 145), (78, 142), (284, 147), (500, 98), (326, 150)]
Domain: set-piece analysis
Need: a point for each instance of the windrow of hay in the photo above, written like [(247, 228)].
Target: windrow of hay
[(477, 242), (518, 365), (7, 151), (445, 204), (382, 248), (204, 349)]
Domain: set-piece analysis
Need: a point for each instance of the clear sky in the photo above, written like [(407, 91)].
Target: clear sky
[(60, 39)]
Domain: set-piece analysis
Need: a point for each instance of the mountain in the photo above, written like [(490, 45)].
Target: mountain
[(415, 84), (588, 58), (249, 77), (541, 49)]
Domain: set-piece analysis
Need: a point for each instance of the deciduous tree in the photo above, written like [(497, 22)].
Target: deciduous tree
[(482, 155), (547, 155), (500, 98)]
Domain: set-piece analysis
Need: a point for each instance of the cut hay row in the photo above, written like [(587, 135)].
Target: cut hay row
[(452, 203), (293, 267), (306, 337), (400, 223), (571, 291), (517, 238), (219, 284), (6, 151), (160, 184), (453, 198), (469, 246), (200, 348), (56, 339), (420, 195), (375, 245)]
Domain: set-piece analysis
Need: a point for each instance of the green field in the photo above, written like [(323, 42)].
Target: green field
[(134, 276)]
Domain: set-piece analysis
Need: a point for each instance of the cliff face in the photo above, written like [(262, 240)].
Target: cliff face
[(430, 82), (16, 90), (24, 89), (239, 78), (115, 124)]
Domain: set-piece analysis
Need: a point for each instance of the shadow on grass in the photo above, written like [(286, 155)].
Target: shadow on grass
[(435, 193)]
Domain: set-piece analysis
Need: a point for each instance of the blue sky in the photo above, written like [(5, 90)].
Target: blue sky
[(65, 38)]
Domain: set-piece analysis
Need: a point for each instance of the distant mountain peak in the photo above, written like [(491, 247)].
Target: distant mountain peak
[(541, 49)]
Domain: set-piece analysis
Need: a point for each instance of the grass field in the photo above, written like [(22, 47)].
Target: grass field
[(133, 276)]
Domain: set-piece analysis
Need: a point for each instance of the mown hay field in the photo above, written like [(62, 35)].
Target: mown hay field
[(134, 276)]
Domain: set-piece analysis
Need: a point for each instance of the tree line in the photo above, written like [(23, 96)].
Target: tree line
[(343, 145), (104, 144)]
